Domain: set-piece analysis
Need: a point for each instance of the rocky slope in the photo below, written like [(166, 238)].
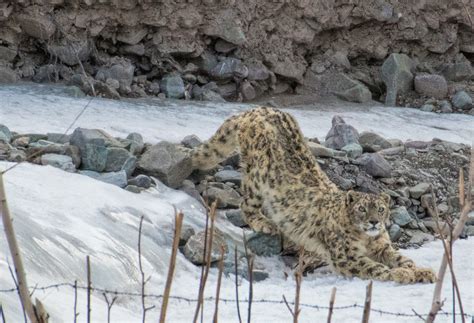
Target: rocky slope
[(241, 50)]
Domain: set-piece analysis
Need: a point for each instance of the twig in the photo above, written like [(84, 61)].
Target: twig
[(219, 280), (142, 273), (89, 287), (177, 233), (331, 304), (110, 303), (466, 208), (16, 256), (418, 315), (237, 285), (368, 301), (207, 264), (250, 276), (75, 302)]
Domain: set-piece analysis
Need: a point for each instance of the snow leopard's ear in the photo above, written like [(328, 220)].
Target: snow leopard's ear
[(386, 198), (351, 197)]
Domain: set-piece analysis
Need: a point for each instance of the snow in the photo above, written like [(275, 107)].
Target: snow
[(45, 108), (60, 218)]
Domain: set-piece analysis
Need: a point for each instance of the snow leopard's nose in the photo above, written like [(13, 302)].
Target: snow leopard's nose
[(373, 222)]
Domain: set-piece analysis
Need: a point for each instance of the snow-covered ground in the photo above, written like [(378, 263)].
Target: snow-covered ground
[(60, 218)]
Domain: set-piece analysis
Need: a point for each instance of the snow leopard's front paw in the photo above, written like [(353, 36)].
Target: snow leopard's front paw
[(402, 275), (425, 275)]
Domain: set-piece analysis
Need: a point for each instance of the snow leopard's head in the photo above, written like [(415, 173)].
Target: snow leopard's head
[(368, 212)]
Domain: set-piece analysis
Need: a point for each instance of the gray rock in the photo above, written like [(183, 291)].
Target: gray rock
[(357, 93), (121, 70), (70, 52), (172, 86), (395, 232), (81, 136), (189, 188), (7, 75), (16, 156), (341, 134), (418, 190), (142, 181), (194, 247), (419, 237), (94, 157), (353, 150), (166, 162), (372, 142), (187, 232), (459, 71), (223, 46), (59, 161), (191, 141), (235, 217), (431, 85), (228, 68), (5, 134), (232, 176), (401, 216), (263, 244), (130, 165), (136, 143), (8, 54), (428, 108), (397, 76), (225, 195), (116, 158), (462, 100), (248, 91), (58, 138), (226, 27), (445, 107), (133, 189), (37, 25), (374, 164), (319, 150), (115, 178)]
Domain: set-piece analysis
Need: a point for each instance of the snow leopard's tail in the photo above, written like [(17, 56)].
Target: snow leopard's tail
[(220, 146)]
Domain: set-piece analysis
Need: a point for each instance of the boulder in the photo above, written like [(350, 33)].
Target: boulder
[(59, 161), (70, 52), (428, 108), (358, 93), (227, 27), (228, 68), (115, 178), (5, 134), (225, 195), (462, 100), (372, 142), (319, 150), (418, 190), (136, 143), (352, 150), (166, 162), (263, 244), (7, 75), (116, 158), (395, 232), (8, 54), (231, 176), (431, 85), (94, 157), (397, 76), (194, 247), (458, 71), (400, 216), (37, 26), (121, 70), (341, 134), (191, 141), (173, 86), (141, 181), (374, 164), (235, 217)]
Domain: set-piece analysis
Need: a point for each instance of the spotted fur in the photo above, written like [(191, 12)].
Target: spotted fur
[(285, 191)]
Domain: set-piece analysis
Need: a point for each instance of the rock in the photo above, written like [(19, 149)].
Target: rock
[(130, 165), (397, 76), (232, 176), (418, 190), (187, 232), (120, 69), (191, 141), (226, 27), (228, 68), (7, 75), (5, 134), (58, 138), (82, 136), (138, 49), (133, 189), (263, 244), (115, 178), (225, 195), (431, 85), (132, 35), (428, 108), (257, 71), (395, 232), (194, 247), (94, 158), (206, 62), (462, 100), (37, 26), (341, 134), (419, 237), (70, 52), (248, 91), (172, 86), (353, 150), (59, 161), (357, 93), (136, 143), (445, 107), (16, 156), (166, 162), (116, 158), (319, 150), (372, 142), (8, 54), (459, 71), (235, 217), (189, 188), (141, 181), (223, 46), (374, 164), (401, 216)]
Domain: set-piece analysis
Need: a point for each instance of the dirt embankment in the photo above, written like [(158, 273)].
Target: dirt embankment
[(238, 50)]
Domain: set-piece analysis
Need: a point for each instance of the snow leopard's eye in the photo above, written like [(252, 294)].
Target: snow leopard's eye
[(381, 209), (361, 209)]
